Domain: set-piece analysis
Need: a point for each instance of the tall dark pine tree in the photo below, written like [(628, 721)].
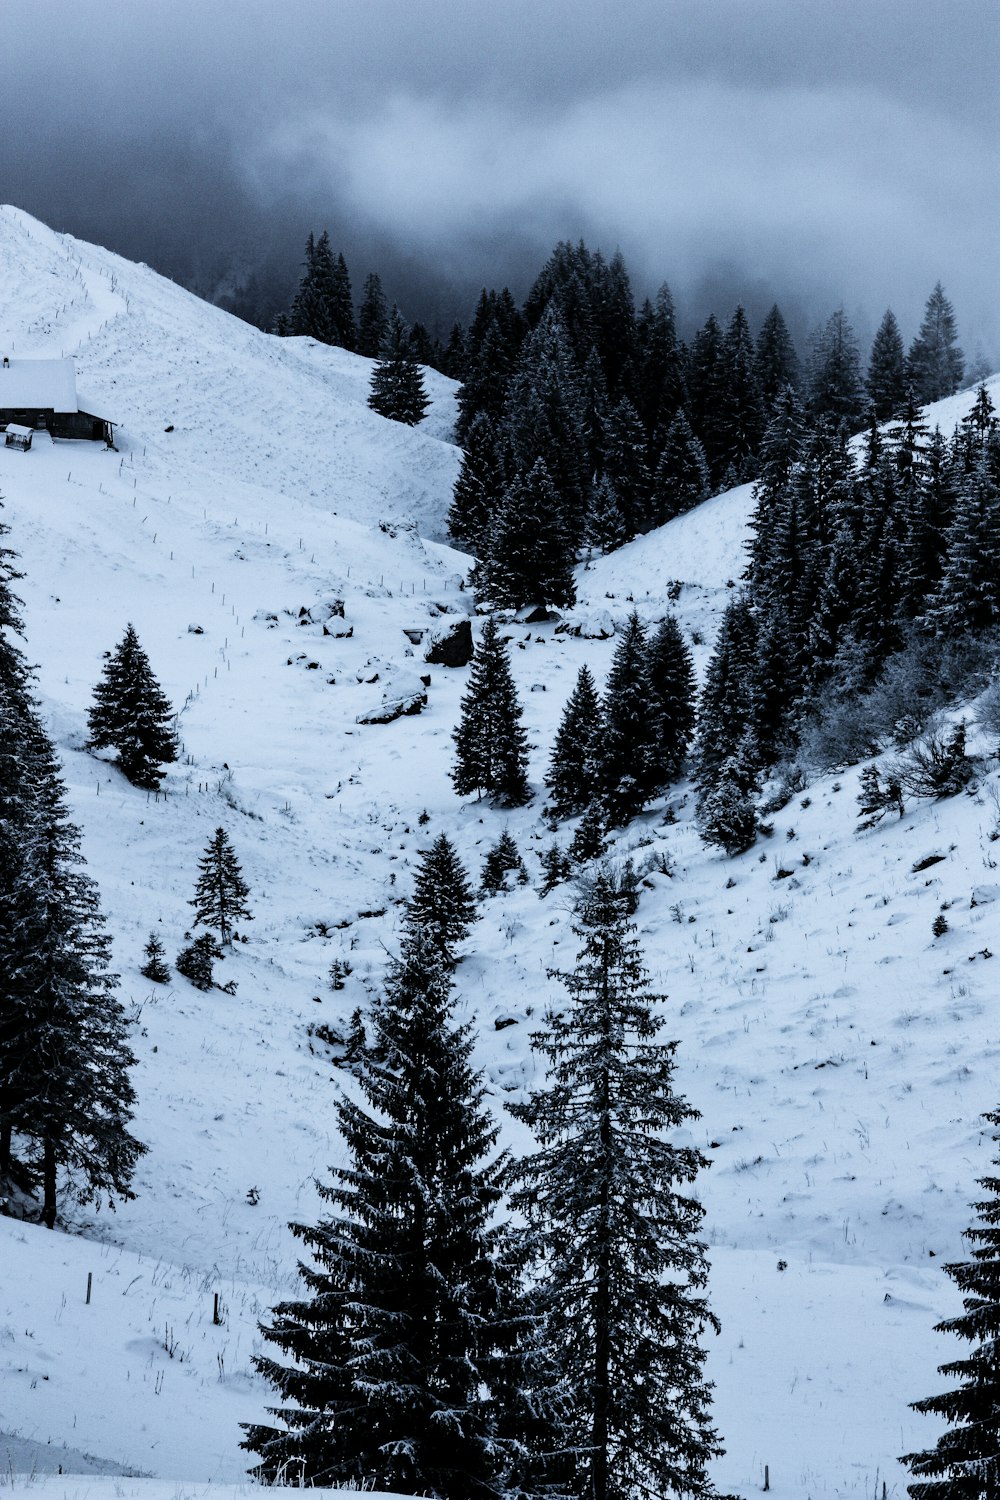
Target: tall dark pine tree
[(886, 379), (776, 360), (627, 742), (935, 363), (660, 389), (706, 382), (342, 306), (613, 1230), (398, 1347), (65, 1091), (574, 776), (968, 595), (834, 375), (490, 744), (373, 317), (624, 463), (670, 671), (727, 707), (681, 480), (742, 418), (481, 480), (525, 556), (397, 385), (131, 714), (964, 1464), (309, 317), (220, 893), (442, 906)]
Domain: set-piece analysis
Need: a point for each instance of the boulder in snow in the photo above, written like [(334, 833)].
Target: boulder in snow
[(450, 644), (403, 693)]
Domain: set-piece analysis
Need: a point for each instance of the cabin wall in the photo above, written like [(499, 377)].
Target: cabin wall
[(61, 424)]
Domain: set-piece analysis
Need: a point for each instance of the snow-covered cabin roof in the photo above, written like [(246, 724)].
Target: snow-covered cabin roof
[(42, 385)]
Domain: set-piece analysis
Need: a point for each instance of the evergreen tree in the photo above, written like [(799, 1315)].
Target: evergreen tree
[(491, 746), (526, 557), (935, 363), (65, 1089), (196, 962), (727, 708), (502, 860), (660, 388), (606, 528), (706, 382), (628, 728), (342, 306), (491, 354), (308, 317), (612, 1232), (780, 450), (624, 464), (479, 486), (132, 715), (968, 595), (442, 906), (834, 376), (220, 894), (556, 867), (670, 671), (726, 811), (589, 842), (681, 480), (574, 776), (777, 363), (398, 1346), (886, 379), (373, 317), (454, 360), (741, 420), (964, 1464), (397, 384), (155, 967)]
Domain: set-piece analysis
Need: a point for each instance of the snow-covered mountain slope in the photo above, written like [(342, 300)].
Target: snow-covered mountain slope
[(840, 1057)]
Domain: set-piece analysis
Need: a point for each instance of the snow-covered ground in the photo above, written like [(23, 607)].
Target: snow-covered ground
[(839, 1055)]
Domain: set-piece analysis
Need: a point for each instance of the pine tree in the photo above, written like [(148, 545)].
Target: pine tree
[(964, 1464), (526, 557), (155, 967), (727, 710), (628, 728), (660, 389), (589, 842), (574, 775), (64, 1055), (606, 528), (479, 486), (196, 962), (624, 464), (342, 306), (886, 379), (935, 363), (502, 860), (681, 480), (373, 317), (398, 1344), (397, 384), (556, 867), (612, 1233), (968, 595), (706, 382), (442, 906), (308, 317), (777, 363), (727, 811), (131, 714), (491, 746), (742, 419), (220, 894), (670, 671), (834, 376)]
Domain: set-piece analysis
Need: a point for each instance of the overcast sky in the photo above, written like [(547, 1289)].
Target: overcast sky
[(820, 151)]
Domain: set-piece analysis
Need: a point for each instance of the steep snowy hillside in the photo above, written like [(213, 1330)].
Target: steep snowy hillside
[(839, 1055)]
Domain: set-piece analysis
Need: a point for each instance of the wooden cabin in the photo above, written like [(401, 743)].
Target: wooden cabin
[(41, 394)]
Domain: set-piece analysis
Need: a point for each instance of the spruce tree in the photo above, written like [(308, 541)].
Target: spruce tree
[(726, 811), (526, 557), (624, 464), (196, 962), (935, 363), (399, 1342), (742, 418), (706, 382), (155, 967), (342, 306), (131, 714), (606, 528), (886, 379), (660, 389), (681, 480), (397, 384), (834, 375), (589, 842), (65, 1090), (670, 672), (491, 745), (727, 706), (777, 364), (220, 894), (479, 486), (373, 317), (442, 906), (502, 860), (574, 775), (611, 1228), (627, 741), (967, 598), (964, 1463)]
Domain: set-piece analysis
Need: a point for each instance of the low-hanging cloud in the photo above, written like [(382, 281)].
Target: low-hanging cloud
[(840, 151)]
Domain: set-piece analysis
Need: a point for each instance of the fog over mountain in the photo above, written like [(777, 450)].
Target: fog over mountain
[(835, 152)]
